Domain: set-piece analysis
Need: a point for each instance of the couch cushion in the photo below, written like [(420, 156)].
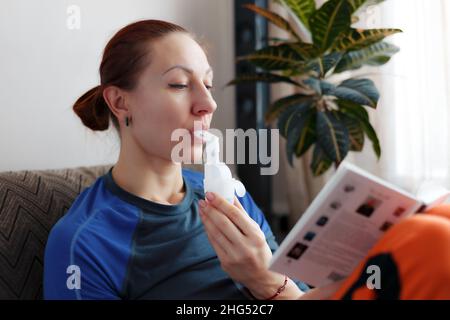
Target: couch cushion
[(31, 202)]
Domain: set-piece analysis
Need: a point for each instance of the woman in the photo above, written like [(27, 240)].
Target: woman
[(143, 231)]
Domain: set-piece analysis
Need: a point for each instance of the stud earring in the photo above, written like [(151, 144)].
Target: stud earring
[(127, 123)]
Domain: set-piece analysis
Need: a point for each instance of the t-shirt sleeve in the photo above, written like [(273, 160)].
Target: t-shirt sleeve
[(256, 214), (74, 271)]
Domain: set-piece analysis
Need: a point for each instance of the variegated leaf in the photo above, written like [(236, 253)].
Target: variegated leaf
[(320, 163), (360, 91), (328, 22), (273, 17), (360, 39), (303, 9), (374, 55), (262, 77), (332, 136), (282, 104)]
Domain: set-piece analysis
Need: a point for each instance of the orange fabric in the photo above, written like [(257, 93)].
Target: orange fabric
[(419, 246)]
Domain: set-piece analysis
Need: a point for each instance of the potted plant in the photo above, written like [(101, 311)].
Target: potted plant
[(329, 117)]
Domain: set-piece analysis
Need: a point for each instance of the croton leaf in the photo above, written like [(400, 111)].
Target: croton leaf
[(303, 9), (355, 132), (361, 91), (327, 88), (372, 135), (297, 125), (285, 118), (285, 56), (353, 110), (374, 55), (314, 84), (305, 50), (273, 17), (320, 162), (359, 113), (360, 39), (282, 104), (263, 77), (332, 135), (301, 135), (321, 87), (324, 64), (329, 21)]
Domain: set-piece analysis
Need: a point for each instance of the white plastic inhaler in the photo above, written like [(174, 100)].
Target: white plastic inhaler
[(218, 178)]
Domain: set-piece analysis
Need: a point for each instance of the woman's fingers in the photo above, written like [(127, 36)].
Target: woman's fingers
[(238, 240), (219, 241), (238, 204), (222, 223), (237, 215)]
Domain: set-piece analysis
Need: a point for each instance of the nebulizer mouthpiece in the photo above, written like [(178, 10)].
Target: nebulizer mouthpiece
[(218, 178)]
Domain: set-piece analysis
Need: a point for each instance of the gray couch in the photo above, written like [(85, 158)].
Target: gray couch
[(31, 202)]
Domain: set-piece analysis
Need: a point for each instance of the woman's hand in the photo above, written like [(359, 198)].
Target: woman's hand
[(241, 247)]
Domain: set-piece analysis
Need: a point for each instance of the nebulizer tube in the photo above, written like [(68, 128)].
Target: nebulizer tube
[(218, 178)]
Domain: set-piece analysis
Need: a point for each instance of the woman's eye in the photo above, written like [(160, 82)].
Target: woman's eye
[(178, 86)]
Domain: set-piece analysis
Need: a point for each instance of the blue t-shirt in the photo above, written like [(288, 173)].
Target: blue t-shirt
[(112, 244)]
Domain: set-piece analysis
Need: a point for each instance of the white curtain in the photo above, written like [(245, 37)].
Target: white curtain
[(413, 116)]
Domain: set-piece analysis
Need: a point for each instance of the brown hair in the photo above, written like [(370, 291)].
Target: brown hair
[(125, 57)]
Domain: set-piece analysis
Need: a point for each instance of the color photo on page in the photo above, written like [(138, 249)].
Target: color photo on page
[(369, 206)]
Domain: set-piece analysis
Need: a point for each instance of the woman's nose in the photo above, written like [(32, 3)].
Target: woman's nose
[(204, 105)]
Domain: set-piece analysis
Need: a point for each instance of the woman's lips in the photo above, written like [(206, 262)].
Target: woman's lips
[(195, 138)]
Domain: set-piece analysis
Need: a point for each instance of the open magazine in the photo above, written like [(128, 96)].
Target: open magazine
[(345, 220)]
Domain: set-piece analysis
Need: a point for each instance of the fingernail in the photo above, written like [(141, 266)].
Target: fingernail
[(210, 196), (202, 203)]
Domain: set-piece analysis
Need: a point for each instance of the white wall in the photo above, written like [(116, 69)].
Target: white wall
[(45, 67)]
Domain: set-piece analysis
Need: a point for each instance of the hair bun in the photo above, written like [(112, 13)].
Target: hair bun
[(92, 109)]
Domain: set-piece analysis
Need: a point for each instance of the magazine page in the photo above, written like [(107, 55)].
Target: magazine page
[(341, 225), (432, 194)]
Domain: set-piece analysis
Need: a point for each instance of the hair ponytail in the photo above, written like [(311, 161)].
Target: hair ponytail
[(92, 109)]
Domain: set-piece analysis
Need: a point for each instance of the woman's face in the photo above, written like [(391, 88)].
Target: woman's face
[(172, 92)]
